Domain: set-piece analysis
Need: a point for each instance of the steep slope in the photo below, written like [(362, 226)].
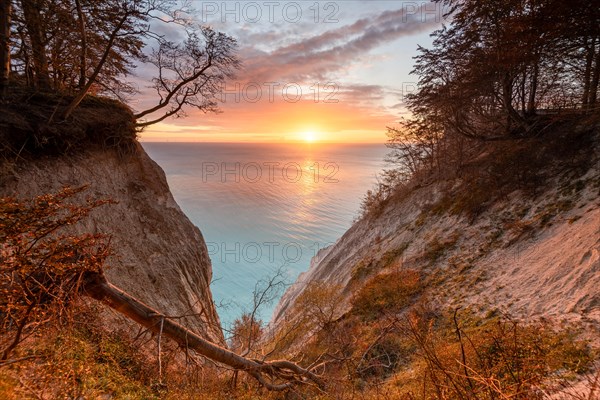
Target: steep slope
[(530, 255), (159, 256)]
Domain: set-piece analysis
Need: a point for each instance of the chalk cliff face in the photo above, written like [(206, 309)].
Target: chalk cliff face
[(159, 256), (530, 257)]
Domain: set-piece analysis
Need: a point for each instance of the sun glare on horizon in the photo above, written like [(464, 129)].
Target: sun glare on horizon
[(309, 136)]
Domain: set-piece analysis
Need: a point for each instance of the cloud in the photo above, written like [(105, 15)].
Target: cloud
[(329, 52), (370, 93), (293, 56)]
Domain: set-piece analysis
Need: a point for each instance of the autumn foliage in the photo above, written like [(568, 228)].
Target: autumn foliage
[(41, 264)]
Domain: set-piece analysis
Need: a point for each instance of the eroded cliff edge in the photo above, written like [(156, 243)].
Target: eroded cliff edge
[(160, 257), (530, 255)]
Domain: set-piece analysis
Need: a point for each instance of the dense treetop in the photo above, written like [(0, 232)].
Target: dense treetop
[(78, 47)]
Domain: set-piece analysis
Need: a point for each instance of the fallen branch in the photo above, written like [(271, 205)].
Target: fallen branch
[(274, 375), (17, 360)]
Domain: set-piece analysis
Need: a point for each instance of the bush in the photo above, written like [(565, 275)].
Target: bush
[(474, 358), (387, 293), (437, 248), (42, 266), (79, 360)]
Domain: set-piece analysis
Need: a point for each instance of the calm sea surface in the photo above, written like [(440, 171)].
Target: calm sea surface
[(265, 207)]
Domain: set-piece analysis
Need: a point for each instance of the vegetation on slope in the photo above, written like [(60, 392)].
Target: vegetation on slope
[(45, 269), (488, 126), (501, 77), (485, 127)]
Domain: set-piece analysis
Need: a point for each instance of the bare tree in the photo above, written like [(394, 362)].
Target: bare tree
[(5, 13), (78, 47), (190, 74)]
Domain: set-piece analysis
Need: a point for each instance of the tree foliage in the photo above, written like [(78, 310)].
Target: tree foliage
[(41, 266), (77, 47), (500, 64), (499, 71)]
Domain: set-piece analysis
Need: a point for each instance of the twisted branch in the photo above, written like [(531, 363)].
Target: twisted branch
[(275, 375)]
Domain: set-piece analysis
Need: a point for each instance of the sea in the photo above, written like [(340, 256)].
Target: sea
[(266, 209)]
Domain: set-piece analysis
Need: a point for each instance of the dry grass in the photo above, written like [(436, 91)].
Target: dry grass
[(417, 356), (83, 358), (387, 293)]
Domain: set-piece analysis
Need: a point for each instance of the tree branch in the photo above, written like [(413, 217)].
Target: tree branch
[(84, 90), (283, 374)]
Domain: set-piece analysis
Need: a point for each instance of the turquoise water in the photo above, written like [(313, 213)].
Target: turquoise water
[(264, 208)]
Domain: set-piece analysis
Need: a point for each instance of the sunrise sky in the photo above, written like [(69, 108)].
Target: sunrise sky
[(329, 71)]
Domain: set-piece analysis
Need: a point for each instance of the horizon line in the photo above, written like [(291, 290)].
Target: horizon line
[(257, 142)]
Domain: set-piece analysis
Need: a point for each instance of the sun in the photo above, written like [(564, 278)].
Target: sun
[(309, 136)]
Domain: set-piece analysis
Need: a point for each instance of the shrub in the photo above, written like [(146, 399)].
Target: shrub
[(79, 360), (387, 293), (361, 270), (42, 266), (315, 311), (392, 255), (473, 358), (246, 331)]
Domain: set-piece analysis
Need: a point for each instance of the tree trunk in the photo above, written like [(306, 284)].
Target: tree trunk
[(5, 12), (86, 88), (587, 75), (507, 99), (523, 91), (83, 54), (533, 89), (35, 30), (281, 374), (595, 80)]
